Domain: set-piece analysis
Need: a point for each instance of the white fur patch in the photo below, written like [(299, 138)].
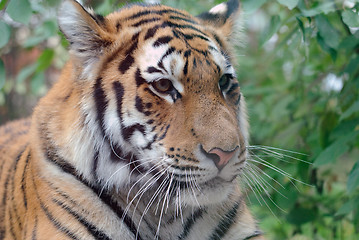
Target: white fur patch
[(219, 9)]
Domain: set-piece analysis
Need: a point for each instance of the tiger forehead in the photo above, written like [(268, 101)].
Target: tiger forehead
[(168, 39), (154, 20), (137, 15)]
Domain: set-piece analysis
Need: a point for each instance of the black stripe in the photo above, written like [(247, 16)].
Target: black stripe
[(191, 220), (95, 232), (185, 69), (183, 19), (255, 234), (129, 60), (11, 225), (160, 62), (8, 176), (192, 36), (162, 40), (183, 26), (144, 21), (139, 79), (23, 182), (218, 40), (119, 91), (151, 32), (56, 223), (153, 70), (152, 12), (127, 132), (118, 26), (165, 133), (226, 222), (126, 63), (34, 230), (101, 103), (139, 104), (12, 196), (95, 165)]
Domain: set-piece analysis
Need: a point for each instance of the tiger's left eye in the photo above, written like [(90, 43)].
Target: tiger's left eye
[(224, 81), (162, 85)]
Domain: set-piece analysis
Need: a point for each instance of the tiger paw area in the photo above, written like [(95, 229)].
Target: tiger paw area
[(298, 69)]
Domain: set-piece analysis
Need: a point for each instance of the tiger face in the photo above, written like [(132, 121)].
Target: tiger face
[(158, 98)]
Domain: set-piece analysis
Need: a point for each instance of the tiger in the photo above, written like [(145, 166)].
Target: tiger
[(143, 136)]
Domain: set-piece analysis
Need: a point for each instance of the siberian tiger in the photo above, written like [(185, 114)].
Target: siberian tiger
[(143, 136)]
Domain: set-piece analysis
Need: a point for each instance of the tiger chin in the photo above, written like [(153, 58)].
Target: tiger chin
[(143, 136)]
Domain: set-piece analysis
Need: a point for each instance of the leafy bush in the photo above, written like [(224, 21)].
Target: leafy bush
[(299, 72)]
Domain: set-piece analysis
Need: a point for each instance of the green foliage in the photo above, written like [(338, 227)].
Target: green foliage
[(300, 76), (4, 34), (19, 10), (305, 97), (2, 74)]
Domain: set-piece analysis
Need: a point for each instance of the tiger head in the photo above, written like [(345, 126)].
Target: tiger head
[(160, 103)]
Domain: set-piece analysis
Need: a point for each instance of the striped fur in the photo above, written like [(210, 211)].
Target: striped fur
[(142, 137)]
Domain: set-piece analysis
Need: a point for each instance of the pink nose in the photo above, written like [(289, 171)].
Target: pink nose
[(220, 157)]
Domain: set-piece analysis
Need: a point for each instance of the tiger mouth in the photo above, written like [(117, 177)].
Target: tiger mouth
[(212, 183)]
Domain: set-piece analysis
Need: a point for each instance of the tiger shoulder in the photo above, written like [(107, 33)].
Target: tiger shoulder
[(143, 136)]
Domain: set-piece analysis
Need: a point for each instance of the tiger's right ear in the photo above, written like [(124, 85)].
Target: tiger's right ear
[(85, 32)]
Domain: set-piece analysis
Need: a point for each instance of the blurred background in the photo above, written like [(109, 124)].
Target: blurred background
[(299, 72)]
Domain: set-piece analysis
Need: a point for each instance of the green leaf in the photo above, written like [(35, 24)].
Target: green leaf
[(352, 66), (43, 32), (273, 27), (301, 26), (353, 179), (323, 8), (328, 122), (2, 74), (26, 72), (289, 3), (329, 34), (4, 34), (3, 4), (44, 61), (346, 208), (299, 215), (350, 42), (104, 8), (333, 53), (19, 10), (350, 18), (335, 150), (250, 6), (352, 109), (37, 82)]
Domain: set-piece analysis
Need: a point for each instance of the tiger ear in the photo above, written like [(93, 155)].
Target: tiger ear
[(85, 32), (225, 18)]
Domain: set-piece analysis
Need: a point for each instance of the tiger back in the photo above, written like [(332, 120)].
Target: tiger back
[(143, 136)]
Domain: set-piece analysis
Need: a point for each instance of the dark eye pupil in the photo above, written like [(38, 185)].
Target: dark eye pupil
[(224, 81)]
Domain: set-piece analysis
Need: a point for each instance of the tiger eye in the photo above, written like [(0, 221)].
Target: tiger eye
[(224, 81), (162, 85)]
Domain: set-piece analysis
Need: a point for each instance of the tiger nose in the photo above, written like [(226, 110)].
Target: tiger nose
[(219, 156)]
